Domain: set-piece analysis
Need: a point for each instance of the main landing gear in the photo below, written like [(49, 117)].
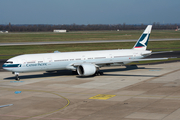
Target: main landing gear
[(16, 76), (98, 73)]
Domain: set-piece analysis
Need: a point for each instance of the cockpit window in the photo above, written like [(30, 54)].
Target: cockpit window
[(9, 62)]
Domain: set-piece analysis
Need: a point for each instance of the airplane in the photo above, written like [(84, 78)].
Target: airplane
[(85, 63)]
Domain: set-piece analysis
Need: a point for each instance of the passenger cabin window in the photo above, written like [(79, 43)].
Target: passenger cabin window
[(56, 60), (31, 62), (117, 56), (100, 57), (78, 58), (61, 60)]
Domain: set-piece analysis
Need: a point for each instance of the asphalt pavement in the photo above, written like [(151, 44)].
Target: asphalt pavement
[(77, 42)]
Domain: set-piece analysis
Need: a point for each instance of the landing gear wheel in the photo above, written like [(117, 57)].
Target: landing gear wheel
[(17, 78), (98, 73), (17, 75), (74, 73), (101, 73)]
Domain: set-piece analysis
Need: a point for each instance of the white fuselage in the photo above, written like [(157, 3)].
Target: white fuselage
[(86, 63), (65, 60)]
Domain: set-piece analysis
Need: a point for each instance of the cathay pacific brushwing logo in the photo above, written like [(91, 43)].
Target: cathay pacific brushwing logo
[(142, 41)]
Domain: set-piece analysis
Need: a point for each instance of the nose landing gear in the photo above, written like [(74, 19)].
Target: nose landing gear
[(16, 76)]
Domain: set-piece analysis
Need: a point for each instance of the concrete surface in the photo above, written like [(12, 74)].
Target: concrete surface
[(151, 92)]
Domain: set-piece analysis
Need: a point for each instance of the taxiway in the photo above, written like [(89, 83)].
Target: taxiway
[(149, 92), (77, 42)]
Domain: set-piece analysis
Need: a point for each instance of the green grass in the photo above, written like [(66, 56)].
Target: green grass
[(28, 49), (82, 36), (85, 35)]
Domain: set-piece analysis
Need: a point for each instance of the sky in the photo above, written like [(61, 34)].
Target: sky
[(89, 11)]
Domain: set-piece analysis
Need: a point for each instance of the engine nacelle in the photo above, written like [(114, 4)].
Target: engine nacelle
[(86, 69)]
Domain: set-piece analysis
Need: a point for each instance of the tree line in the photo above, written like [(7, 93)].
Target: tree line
[(75, 27)]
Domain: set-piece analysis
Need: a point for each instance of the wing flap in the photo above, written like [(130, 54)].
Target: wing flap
[(136, 60)]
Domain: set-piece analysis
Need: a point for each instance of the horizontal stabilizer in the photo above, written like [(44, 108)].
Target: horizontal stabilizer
[(161, 52)]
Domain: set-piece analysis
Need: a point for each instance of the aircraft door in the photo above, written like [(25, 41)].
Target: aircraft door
[(110, 56), (48, 62), (135, 55), (84, 58), (24, 62)]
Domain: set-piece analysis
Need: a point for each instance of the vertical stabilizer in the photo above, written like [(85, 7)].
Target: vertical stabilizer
[(141, 44)]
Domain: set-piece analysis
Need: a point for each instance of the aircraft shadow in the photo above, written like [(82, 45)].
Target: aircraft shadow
[(43, 75), (129, 75), (69, 73), (128, 69)]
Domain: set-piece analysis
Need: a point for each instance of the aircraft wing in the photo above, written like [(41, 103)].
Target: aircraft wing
[(118, 61), (148, 59)]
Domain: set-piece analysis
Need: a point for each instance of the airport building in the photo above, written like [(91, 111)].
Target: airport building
[(3, 31), (60, 31)]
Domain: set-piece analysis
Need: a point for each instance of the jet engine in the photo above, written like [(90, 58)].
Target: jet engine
[(86, 69)]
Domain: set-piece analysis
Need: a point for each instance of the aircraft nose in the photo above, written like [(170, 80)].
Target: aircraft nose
[(10, 67), (6, 67)]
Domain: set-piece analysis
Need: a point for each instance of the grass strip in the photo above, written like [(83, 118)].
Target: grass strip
[(85, 35), (7, 52)]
